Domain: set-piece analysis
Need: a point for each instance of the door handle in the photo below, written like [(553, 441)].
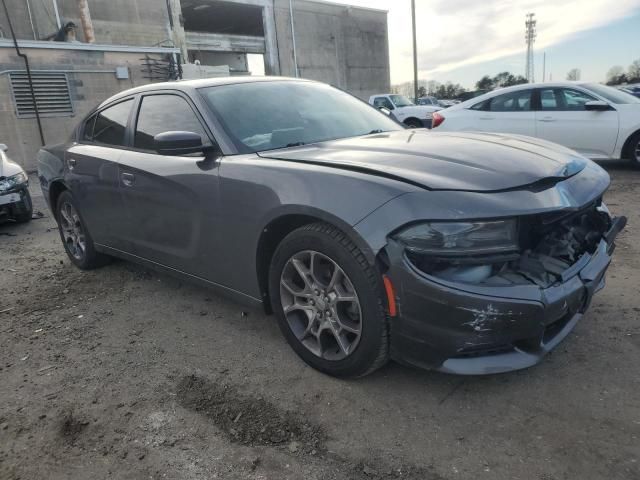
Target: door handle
[(547, 119), (127, 179), (487, 118), (72, 162)]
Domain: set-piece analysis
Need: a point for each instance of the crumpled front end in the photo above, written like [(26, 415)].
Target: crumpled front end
[(484, 314)]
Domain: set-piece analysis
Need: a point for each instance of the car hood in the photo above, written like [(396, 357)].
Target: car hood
[(478, 162), (7, 167)]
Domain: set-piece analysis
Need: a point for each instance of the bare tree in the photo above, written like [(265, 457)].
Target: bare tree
[(614, 72), (573, 74), (633, 74)]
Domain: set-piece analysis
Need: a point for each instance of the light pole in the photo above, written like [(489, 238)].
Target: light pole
[(415, 51)]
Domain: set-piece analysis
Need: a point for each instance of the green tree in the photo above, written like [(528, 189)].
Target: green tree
[(485, 83), (422, 91)]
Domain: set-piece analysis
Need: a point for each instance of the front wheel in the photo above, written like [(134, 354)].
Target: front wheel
[(327, 299), (634, 150)]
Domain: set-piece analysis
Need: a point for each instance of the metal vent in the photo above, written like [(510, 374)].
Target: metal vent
[(51, 90)]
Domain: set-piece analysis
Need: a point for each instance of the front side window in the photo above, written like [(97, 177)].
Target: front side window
[(563, 99), (266, 115), (401, 101), (574, 99), (380, 102), (165, 113), (108, 127), (519, 101)]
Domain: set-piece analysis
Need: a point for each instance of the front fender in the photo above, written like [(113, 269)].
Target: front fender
[(255, 191)]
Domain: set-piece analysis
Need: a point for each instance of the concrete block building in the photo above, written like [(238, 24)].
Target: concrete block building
[(125, 43)]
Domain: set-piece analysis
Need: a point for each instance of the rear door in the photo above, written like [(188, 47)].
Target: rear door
[(171, 200), (562, 119), (93, 173), (507, 113)]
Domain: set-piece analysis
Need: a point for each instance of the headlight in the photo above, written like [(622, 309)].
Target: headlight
[(13, 181), (460, 238)]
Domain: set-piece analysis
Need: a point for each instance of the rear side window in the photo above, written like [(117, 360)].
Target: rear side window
[(519, 101), (165, 113), (108, 127)]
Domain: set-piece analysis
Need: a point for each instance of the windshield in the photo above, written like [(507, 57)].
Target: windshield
[(612, 94), (262, 116), (400, 101)]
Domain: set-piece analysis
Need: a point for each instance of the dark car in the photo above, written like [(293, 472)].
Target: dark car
[(632, 89), (15, 201), (467, 253)]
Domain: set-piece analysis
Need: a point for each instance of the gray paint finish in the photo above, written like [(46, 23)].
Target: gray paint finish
[(203, 218)]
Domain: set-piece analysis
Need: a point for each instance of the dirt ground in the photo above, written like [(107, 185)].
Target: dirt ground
[(124, 373)]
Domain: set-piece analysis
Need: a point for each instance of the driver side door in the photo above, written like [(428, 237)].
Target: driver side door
[(171, 200)]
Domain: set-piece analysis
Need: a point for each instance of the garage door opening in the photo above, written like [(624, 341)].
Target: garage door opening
[(223, 17)]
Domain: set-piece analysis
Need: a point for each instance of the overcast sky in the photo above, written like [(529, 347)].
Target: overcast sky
[(460, 40)]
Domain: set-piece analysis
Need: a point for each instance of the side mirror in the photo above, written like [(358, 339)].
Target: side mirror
[(597, 105), (3, 147), (178, 143), (385, 110)]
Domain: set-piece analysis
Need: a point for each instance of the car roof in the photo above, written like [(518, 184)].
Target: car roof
[(199, 83), (515, 88)]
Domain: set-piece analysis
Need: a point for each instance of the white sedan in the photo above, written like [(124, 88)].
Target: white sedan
[(597, 121)]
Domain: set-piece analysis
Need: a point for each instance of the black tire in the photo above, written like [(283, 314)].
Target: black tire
[(25, 210), (372, 349), (634, 149), (413, 123), (89, 259)]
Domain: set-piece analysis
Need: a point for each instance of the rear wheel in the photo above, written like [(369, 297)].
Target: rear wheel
[(75, 236), (327, 299), (413, 123)]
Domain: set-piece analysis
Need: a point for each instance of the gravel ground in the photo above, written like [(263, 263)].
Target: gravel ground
[(125, 373)]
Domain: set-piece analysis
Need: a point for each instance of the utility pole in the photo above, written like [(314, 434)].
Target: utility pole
[(544, 66), (415, 51), (530, 37), (293, 40), (174, 8), (85, 20), (28, 68)]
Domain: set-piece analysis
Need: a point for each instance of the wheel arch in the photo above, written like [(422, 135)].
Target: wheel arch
[(415, 119), (55, 189), (286, 221)]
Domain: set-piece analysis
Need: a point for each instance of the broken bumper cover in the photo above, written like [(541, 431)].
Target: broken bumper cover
[(13, 202), (475, 330)]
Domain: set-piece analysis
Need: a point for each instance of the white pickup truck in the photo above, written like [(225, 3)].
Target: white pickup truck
[(404, 110)]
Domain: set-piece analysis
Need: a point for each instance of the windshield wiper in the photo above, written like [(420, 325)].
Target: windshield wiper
[(377, 130), (294, 144)]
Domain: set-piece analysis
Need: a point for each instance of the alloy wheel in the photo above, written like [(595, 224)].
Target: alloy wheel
[(321, 305), (72, 231)]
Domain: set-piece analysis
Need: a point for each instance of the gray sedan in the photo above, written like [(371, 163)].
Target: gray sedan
[(466, 253)]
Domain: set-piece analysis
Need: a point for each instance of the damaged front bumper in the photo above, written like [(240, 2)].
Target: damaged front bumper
[(480, 329), (14, 202)]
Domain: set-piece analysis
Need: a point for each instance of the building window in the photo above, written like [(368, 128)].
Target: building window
[(51, 91)]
